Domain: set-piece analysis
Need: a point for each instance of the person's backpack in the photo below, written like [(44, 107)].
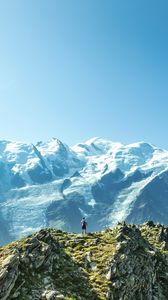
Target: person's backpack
[(84, 223)]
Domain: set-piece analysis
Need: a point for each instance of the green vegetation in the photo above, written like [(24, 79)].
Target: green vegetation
[(126, 262)]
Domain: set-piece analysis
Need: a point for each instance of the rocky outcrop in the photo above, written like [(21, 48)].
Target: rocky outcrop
[(8, 275), (136, 268), (31, 255), (127, 262)]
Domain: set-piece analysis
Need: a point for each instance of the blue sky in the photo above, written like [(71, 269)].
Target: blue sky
[(75, 69)]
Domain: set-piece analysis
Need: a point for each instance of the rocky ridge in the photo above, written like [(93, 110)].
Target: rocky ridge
[(126, 262)]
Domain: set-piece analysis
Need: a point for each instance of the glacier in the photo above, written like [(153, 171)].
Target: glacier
[(53, 185)]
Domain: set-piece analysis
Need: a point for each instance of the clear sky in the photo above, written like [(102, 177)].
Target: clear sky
[(75, 69)]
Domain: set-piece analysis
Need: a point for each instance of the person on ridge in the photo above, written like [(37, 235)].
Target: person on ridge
[(84, 225)]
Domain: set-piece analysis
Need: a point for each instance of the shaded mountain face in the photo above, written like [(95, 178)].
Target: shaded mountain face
[(126, 262), (53, 185)]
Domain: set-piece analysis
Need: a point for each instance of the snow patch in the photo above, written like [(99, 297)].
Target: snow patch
[(92, 203), (124, 202), (83, 213)]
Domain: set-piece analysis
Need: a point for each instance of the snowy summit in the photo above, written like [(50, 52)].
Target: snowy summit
[(52, 184)]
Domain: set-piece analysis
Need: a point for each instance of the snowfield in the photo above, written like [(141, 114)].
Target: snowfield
[(40, 184)]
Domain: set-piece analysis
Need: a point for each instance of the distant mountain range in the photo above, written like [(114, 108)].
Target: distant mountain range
[(53, 185)]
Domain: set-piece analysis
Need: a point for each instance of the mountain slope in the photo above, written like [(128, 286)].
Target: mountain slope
[(126, 262), (51, 184)]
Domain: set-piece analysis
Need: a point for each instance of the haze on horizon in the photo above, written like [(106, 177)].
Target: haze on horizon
[(78, 69)]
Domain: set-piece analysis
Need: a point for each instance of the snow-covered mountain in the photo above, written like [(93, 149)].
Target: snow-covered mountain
[(51, 184)]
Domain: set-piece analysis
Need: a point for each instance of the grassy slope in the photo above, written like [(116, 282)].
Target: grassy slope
[(80, 265)]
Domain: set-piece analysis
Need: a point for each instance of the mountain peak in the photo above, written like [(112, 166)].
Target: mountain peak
[(49, 183), (95, 146)]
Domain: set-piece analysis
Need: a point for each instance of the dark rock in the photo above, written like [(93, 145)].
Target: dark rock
[(150, 224)]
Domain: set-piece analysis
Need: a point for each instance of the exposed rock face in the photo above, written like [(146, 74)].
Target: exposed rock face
[(136, 267), (8, 275), (128, 262)]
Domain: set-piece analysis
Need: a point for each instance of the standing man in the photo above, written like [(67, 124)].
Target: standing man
[(84, 225)]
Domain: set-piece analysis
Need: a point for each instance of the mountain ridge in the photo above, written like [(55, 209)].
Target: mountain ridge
[(126, 262)]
